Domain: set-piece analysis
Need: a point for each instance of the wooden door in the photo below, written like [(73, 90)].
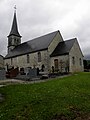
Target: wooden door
[(56, 64)]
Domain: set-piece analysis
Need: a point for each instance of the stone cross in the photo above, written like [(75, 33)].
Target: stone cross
[(15, 8)]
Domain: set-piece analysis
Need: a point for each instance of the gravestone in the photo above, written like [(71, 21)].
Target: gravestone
[(26, 70), (32, 73), (2, 74), (29, 74)]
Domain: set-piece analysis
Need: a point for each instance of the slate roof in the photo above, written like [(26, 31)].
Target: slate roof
[(37, 44), (63, 48), (14, 29), (1, 56)]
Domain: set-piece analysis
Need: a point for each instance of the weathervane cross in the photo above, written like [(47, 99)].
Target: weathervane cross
[(15, 8)]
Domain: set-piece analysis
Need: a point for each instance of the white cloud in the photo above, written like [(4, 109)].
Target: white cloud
[(38, 17)]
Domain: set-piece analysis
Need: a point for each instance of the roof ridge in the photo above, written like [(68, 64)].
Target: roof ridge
[(41, 36), (63, 47), (35, 38), (71, 39)]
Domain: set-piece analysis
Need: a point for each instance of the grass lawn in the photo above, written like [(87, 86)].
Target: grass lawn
[(67, 98)]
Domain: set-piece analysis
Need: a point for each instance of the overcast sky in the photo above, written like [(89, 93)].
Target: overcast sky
[(39, 17)]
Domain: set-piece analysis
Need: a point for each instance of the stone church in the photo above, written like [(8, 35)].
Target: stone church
[(49, 52)]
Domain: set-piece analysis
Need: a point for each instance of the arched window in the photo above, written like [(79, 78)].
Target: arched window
[(39, 56), (11, 61), (27, 58), (73, 60), (80, 62), (56, 64)]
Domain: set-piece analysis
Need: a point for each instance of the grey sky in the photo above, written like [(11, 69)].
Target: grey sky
[(39, 17)]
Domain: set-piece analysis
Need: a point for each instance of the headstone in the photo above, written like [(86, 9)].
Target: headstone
[(32, 72), (2, 74), (26, 70), (29, 73)]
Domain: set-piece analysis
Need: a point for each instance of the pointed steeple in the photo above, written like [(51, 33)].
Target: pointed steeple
[(14, 29), (14, 38)]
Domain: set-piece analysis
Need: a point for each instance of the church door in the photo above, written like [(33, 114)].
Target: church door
[(56, 64)]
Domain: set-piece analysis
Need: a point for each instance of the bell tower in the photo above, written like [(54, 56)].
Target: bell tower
[(14, 38)]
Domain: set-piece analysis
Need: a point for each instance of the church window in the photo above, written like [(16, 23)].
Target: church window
[(9, 42), (39, 56), (80, 62), (27, 58), (15, 41), (11, 61), (73, 60)]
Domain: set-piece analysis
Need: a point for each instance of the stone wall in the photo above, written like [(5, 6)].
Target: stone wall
[(7, 61), (21, 61), (77, 54), (1, 61), (58, 38), (13, 41), (63, 62)]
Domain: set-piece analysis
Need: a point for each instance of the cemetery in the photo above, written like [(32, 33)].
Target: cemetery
[(28, 73)]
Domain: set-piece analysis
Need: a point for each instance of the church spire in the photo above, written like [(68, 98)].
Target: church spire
[(14, 37), (14, 29)]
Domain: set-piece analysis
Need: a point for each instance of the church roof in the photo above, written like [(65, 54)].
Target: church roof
[(63, 48), (37, 44), (14, 29), (1, 56)]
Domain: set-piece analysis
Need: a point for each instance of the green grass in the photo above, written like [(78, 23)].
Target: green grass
[(67, 96)]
